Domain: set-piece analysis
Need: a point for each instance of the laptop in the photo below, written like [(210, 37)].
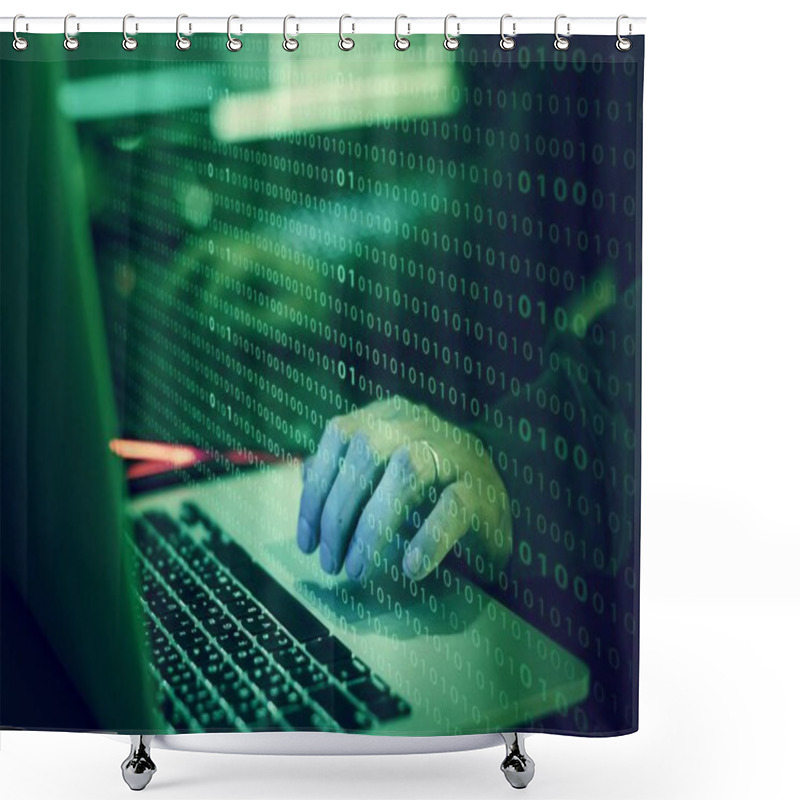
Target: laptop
[(237, 612), (187, 606)]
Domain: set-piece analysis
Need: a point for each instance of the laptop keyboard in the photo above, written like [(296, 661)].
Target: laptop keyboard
[(231, 648)]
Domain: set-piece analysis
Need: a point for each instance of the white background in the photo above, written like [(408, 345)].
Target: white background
[(720, 606)]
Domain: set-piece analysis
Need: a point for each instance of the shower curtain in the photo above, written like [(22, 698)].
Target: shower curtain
[(321, 383)]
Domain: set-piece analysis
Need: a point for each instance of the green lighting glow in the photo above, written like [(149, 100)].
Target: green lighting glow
[(131, 94), (421, 90)]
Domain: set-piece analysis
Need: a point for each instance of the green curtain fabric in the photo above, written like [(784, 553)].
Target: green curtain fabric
[(321, 380)]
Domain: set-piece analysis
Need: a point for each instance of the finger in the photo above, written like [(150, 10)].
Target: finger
[(450, 519), (402, 489), (319, 473), (352, 488)]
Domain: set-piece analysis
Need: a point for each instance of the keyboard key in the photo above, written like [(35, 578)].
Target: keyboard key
[(204, 655), (191, 514), (234, 640), (251, 661), (273, 640), (227, 675), (163, 523), (252, 711), (219, 625), (164, 606), (335, 703), (349, 671), (143, 535), (309, 676), (188, 550), (237, 692), (216, 671), (328, 649), (190, 637), (203, 606), (186, 587), (304, 718), (181, 723), (176, 621), (216, 719), (232, 597), (178, 674), (194, 693), (169, 655), (240, 607), (229, 554), (154, 591), (369, 691), (291, 658), (158, 641), (161, 560), (266, 677), (283, 694), (289, 611), (390, 707), (204, 568), (258, 622), (259, 717)]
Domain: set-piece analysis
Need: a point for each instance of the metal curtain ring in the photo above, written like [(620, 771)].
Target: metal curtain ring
[(128, 42), (560, 43), (70, 42), (289, 44), (345, 42), (450, 42), (400, 42), (182, 43), (507, 42), (623, 44), (19, 43), (234, 44)]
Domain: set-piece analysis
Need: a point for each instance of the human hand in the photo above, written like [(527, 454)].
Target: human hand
[(392, 464)]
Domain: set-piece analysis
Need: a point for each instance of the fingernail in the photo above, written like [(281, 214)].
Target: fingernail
[(413, 562), (354, 565), (326, 558), (305, 536)]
